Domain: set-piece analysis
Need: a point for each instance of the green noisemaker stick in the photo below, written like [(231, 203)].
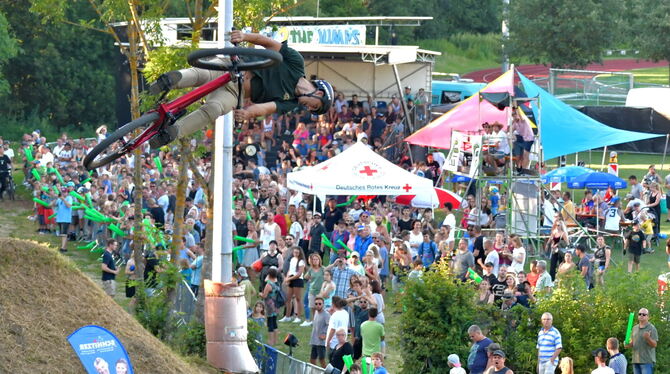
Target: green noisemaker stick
[(251, 196), (116, 229), (77, 195), (29, 154), (344, 246), (45, 188), (36, 174), (348, 202), (88, 198), (85, 180), (87, 246), (474, 276), (241, 239), (159, 165), (248, 216), (41, 202), (60, 177), (55, 190), (52, 216), (327, 242), (348, 361), (629, 330)]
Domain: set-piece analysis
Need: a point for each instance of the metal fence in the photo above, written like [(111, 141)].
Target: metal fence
[(184, 305), (273, 361)]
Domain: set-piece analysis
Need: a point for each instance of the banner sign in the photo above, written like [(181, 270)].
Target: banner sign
[(460, 145), (319, 34), (100, 351)]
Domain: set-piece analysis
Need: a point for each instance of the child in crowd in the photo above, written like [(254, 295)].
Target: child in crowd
[(258, 316), (417, 270)]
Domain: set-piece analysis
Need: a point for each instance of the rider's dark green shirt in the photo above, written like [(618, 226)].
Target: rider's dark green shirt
[(278, 82)]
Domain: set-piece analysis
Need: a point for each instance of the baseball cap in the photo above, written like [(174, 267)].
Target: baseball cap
[(500, 353), (242, 272), (630, 196), (396, 239), (454, 360), (493, 347), (601, 353), (360, 227), (317, 214), (69, 184)]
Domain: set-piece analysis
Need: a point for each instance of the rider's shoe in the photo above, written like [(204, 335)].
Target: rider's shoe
[(165, 82), (165, 136)]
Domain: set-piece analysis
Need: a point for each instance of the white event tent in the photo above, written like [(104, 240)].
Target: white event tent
[(358, 171)]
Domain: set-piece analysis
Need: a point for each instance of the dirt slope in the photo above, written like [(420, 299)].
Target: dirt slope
[(44, 298)]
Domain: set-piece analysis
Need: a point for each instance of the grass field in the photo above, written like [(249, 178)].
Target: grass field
[(14, 223)]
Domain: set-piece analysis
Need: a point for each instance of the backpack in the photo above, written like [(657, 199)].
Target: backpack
[(279, 298)]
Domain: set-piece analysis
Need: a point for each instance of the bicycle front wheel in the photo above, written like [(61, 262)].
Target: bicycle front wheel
[(103, 154), (259, 58)]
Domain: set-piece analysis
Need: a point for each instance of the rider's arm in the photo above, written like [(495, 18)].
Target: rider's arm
[(256, 39), (256, 110)]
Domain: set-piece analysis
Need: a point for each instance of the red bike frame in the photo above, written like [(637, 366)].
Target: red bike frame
[(177, 105)]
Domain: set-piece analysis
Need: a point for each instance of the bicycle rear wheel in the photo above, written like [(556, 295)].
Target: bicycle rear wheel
[(261, 58), (92, 161)]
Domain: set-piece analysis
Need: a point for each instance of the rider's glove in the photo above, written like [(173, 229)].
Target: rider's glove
[(165, 82)]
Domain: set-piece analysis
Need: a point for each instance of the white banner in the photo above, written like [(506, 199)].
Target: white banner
[(460, 145), (319, 34)]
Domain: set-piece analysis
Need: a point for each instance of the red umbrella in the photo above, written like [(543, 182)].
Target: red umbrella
[(439, 198)]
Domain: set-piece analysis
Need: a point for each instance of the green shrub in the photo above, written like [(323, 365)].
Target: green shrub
[(439, 310)]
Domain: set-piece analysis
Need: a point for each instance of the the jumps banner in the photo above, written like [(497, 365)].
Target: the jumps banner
[(100, 351)]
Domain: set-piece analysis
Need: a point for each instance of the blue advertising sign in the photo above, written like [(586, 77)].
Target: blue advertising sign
[(99, 351)]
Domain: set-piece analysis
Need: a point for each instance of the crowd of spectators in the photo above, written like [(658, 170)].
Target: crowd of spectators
[(377, 245)]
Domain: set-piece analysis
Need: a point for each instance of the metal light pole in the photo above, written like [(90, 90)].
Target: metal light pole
[(225, 307), (505, 35)]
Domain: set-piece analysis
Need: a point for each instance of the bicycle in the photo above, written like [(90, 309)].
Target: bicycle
[(166, 113), (10, 187)]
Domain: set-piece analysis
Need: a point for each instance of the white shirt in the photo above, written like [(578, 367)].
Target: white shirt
[(296, 230), (518, 266), (603, 370), (494, 258), (10, 153), (450, 220), (296, 199), (415, 240), (457, 371), (164, 202), (339, 319), (294, 266)]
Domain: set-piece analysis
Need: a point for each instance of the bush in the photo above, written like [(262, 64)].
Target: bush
[(439, 310)]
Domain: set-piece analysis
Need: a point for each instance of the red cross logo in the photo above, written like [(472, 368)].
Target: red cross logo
[(368, 171), (407, 187)]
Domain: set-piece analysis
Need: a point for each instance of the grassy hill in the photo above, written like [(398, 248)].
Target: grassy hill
[(45, 297)]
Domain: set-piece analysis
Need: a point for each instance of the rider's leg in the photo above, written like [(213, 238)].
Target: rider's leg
[(218, 103), (194, 77)]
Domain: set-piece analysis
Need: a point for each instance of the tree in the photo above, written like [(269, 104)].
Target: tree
[(8, 49), (569, 33), (56, 63), (653, 29)]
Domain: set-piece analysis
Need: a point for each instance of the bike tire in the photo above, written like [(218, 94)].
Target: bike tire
[(92, 162), (268, 58)]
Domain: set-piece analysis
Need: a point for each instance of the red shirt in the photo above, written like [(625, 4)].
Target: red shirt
[(281, 221)]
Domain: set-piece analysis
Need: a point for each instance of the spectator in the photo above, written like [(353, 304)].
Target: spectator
[(499, 367), (295, 283), (635, 243), (341, 348), (566, 366), (372, 333), (339, 319), (585, 266), (454, 363), (478, 359), (196, 266), (63, 205), (109, 270), (549, 345), (602, 256), (492, 257), (618, 361), (600, 357), (644, 340), (320, 321), (269, 296), (463, 260), (314, 276), (341, 276), (544, 282), (378, 363)]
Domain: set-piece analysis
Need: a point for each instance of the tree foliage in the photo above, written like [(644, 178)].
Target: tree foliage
[(653, 29), (58, 72), (569, 33), (8, 49), (438, 311)]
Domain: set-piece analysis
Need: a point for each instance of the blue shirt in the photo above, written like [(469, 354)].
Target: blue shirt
[(384, 254), (64, 212), (477, 359), (196, 275), (362, 245), (547, 343), (427, 252), (380, 370)]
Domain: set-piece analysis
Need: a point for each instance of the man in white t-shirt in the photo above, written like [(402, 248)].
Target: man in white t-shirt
[(339, 319), (450, 220)]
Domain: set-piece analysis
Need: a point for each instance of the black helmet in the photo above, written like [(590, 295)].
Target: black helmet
[(327, 98)]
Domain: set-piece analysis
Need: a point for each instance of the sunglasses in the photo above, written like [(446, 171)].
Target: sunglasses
[(318, 303), (642, 314)]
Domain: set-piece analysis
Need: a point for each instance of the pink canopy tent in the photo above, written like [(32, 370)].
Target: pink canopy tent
[(467, 116)]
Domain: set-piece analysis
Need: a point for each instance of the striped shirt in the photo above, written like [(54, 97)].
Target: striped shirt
[(548, 341), (341, 278), (618, 363)]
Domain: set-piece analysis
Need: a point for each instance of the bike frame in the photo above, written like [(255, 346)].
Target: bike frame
[(171, 109)]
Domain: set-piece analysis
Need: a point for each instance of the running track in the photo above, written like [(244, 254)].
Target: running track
[(538, 71)]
